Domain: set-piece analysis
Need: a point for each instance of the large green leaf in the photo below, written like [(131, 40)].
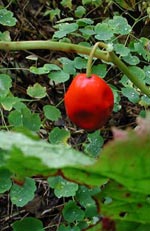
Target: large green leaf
[(119, 203), (127, 158), (53, 156)]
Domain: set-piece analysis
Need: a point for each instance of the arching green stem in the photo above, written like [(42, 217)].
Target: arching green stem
[(68, 47), (51, 45)]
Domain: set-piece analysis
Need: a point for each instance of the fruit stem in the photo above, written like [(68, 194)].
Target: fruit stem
[(90, 59)]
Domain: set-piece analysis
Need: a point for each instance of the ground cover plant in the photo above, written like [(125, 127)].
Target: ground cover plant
[(57, 171)]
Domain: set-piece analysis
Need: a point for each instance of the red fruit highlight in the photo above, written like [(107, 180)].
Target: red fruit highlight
[(89, 101)]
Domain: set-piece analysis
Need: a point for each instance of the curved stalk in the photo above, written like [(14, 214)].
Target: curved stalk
[(90, 59), (51, 45), (74, 48), (92, 53)]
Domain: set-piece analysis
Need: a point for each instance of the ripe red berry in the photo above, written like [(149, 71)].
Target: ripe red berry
[(89, 101)]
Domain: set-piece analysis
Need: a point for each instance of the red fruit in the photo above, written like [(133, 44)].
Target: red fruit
[(89, 101)]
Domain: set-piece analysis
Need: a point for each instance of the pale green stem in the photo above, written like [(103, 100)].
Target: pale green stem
[(90, 59), (51, 45), (74, 48)]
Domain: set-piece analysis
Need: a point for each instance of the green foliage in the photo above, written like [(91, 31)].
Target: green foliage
[(52, 156), (36, 91), (117, 174), (5, 85), (72, 212), (62, 187), (5, 181), (24, 118), (51, 112), (58, 135), (122, 198), (94, 144), (5, 36), (20, 195), (7, 18), (28, 223)]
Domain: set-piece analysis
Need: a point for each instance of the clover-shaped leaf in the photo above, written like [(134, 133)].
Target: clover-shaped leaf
[(36, 91), (6, 18), (62, 187)]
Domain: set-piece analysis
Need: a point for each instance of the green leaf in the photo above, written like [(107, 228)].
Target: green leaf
[(20, 195), (119, 25), (83, 196), (67, 3), (103, 31), (65, 29), (84, 175), (59, 76), (131, 59), (87, 31), (121, 49), (82, 22), (58, 135), (131, 94), (125, 160), (128, 5), (52, 156), (72, 212), (64, 228), (80, 63), (100, 70), (6, 18), (5, 36), (52, 13), (51, 67), (94, 145), (24, 118), (117, 98), (145, 101), (9, 101), (137, 71), (36, 91), (92, 2), (51, 112), (130, 226), (5, 85), (68, 65), (80, 11), (5, 180), (39, 70), (123, 204), (139, 47), (68, 228), (147, 74), (96, 227), (62, 187), (28, 223)]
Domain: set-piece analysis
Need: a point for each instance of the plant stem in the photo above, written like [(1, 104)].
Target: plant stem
[(134, 79), (51, 45), (74, 48)]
